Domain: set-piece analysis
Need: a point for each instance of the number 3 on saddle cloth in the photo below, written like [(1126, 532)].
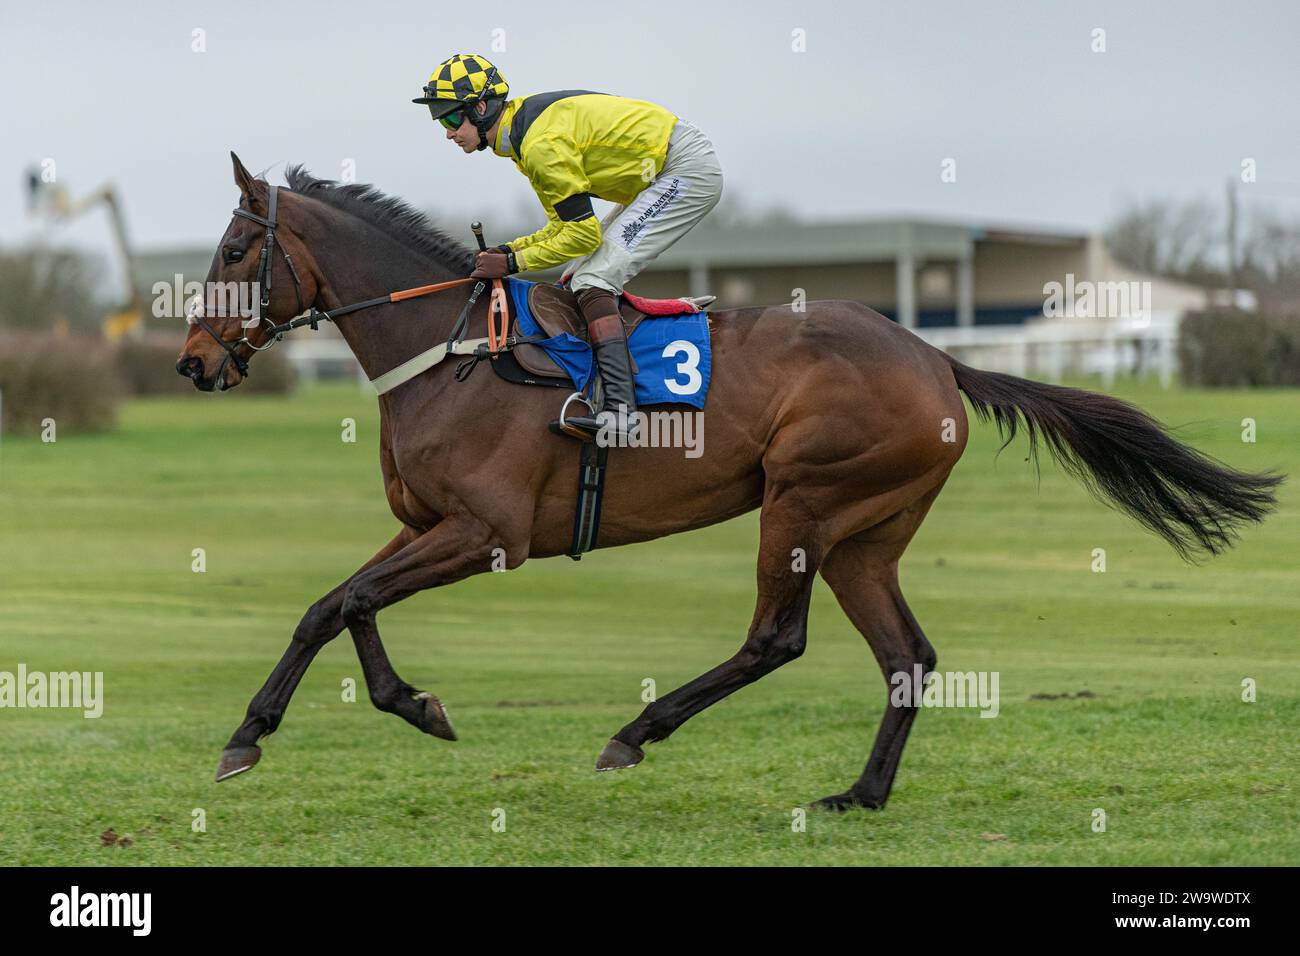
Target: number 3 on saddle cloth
[(671, 358)]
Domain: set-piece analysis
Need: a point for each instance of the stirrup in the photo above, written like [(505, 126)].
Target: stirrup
[(562, 426)]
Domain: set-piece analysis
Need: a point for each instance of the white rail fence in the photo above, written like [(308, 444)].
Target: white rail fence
[(1050, 349), (316, 357)]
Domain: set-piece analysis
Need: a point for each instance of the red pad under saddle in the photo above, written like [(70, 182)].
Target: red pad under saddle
[(659, 306), (648, 306)]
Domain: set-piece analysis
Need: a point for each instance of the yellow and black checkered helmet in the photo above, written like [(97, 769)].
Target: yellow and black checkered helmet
[(464, 79)]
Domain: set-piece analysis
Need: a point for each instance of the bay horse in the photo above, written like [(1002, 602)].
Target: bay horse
[(839, 424)]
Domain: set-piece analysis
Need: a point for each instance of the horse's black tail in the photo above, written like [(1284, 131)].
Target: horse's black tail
[(1125, 457)]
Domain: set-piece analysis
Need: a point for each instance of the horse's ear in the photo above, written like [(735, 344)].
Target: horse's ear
[(243, 178)]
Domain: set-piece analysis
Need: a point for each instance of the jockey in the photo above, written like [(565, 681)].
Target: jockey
[(660, 172)]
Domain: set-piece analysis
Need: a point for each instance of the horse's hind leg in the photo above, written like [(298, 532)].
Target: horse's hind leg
[(863, 573), (776, 636), (321, 624)]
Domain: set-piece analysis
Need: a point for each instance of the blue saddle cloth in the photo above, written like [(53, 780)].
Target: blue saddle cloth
[(671, 353)]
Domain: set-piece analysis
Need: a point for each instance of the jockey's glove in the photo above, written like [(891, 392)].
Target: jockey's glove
[(494, 264)]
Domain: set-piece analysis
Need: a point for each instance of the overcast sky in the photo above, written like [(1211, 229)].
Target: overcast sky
[(1043, 130)]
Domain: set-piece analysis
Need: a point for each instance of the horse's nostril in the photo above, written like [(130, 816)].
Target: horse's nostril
[(190, 366)]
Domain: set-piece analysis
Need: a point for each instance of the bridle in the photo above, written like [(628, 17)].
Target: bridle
[(196, 314), (265, 271)]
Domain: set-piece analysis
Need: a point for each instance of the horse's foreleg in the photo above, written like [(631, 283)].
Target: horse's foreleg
[(789, 552), (455, 548), (321, 624)]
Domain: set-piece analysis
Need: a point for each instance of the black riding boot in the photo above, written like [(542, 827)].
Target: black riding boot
[(609, 347)]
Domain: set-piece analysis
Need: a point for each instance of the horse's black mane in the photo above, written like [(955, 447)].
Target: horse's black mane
[(394, 216)]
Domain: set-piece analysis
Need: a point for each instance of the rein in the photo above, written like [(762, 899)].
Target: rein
[(497, 341)]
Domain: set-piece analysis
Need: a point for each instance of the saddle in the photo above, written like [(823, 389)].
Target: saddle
[(556, 310)]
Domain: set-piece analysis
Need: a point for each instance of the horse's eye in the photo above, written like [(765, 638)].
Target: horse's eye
[(234, 255)]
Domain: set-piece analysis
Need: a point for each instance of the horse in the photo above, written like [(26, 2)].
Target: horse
[(839, 424)]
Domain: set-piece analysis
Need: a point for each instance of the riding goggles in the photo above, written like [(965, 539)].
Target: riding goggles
[(450, 120)]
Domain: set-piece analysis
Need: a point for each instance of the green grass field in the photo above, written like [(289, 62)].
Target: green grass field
[(539, 666)]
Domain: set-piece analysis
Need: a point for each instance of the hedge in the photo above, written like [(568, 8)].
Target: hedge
[(70, 378), (1227, 348), (148, 367)]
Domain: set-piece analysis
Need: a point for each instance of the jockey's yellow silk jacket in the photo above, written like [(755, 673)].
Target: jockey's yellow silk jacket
[(573, 145)]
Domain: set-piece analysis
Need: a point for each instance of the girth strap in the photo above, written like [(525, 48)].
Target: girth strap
[(591, 488)]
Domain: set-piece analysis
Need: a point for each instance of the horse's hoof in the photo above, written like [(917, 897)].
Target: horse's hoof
[(235, 760), (435, 720), (848, 800), (619, 756)]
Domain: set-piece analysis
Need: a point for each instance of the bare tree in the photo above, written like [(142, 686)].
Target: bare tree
[(1270, 259), (1180, 240), (41, 288)]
